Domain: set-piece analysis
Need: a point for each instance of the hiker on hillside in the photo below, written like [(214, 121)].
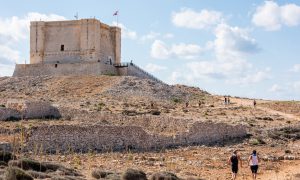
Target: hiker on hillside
[(187, 104), (225, 100), (253, 162), (254, 103), (228, 100), (234, 160), (200, 103)]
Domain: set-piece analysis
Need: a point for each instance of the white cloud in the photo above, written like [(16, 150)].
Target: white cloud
[(126, 33), (295, 68), (8, 56), (155, 35), (275, 88), (189, 18), (296, 86), (154, 68), (15, 30), (168, 36), (6, 70), (150, 36), (272, 17), (252, 77), (160, 50), (233, 42)]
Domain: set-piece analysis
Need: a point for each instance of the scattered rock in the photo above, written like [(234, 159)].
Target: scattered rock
[(98, 174), (164, 176), (133, 174), (13, 173)]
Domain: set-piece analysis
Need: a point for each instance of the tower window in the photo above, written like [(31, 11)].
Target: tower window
[(62, 47)]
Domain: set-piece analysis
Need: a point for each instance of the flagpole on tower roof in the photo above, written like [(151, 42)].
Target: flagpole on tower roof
[(117, 14)]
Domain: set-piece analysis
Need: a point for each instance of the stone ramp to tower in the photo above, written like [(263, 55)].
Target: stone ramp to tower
[(131, 69)]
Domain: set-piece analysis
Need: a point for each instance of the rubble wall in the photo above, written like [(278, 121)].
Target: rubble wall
[(114, 138)]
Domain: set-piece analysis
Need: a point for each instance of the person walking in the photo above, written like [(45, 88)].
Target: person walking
[(253, 162), (254, 103), (234, 160)]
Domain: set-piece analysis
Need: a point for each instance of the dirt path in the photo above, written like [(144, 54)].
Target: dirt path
[(249, 102), (289, 170)]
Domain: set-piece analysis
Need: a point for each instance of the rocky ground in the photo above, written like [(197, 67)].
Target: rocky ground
[(273, 127)]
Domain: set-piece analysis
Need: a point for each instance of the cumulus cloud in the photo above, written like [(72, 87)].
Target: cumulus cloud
[(150, 36), (231, 47), (272, 16), (126, 33), (15, 30), (154, 68), (160, 50), (233, 42), (275, 88), (295, 68), (189, 18)]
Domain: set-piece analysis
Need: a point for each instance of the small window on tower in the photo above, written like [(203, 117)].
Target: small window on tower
[(62, 47)]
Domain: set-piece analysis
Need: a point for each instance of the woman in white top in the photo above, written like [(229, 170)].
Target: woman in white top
[(253, 162)]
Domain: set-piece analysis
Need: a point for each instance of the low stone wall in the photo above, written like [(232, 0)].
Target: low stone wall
[(86, 68), (18, 109), (9, 114), (64, 138)]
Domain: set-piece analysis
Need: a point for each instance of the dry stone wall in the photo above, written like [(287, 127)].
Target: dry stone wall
[(64, 138), (9, 114), (18, 109)]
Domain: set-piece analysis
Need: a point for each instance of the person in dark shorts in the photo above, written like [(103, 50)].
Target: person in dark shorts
[(234, 160), (253, 162)]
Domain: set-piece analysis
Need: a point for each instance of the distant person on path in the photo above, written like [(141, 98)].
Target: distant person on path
[(187, 104), (234, 161), (228, 100), (225, 100), (254, 103), (253, 162)]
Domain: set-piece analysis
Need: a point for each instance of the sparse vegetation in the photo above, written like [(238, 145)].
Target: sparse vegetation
[(13, 173)]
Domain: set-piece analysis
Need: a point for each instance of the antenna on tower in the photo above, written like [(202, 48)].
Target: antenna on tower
[(76, 16)]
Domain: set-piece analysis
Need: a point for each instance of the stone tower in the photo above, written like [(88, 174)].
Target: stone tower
[(85, 40)]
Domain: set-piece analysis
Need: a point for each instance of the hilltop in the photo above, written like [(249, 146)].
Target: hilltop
[(160, 110)]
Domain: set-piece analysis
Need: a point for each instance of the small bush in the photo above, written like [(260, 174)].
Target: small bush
[(256, 141), (38, 175), (2, 106), (133, 174), (164, 176), (155, 112), (13, 173), (287, 151), (98, 174), (6, 156), (176, 100), (27, 164)]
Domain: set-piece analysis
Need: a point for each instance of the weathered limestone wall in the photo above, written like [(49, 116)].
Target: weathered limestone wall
[(87, 68), (107, 138), (83, 40), (17, 109), (9, 114)]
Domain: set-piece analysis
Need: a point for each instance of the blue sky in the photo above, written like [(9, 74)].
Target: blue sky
[(246, 48)]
